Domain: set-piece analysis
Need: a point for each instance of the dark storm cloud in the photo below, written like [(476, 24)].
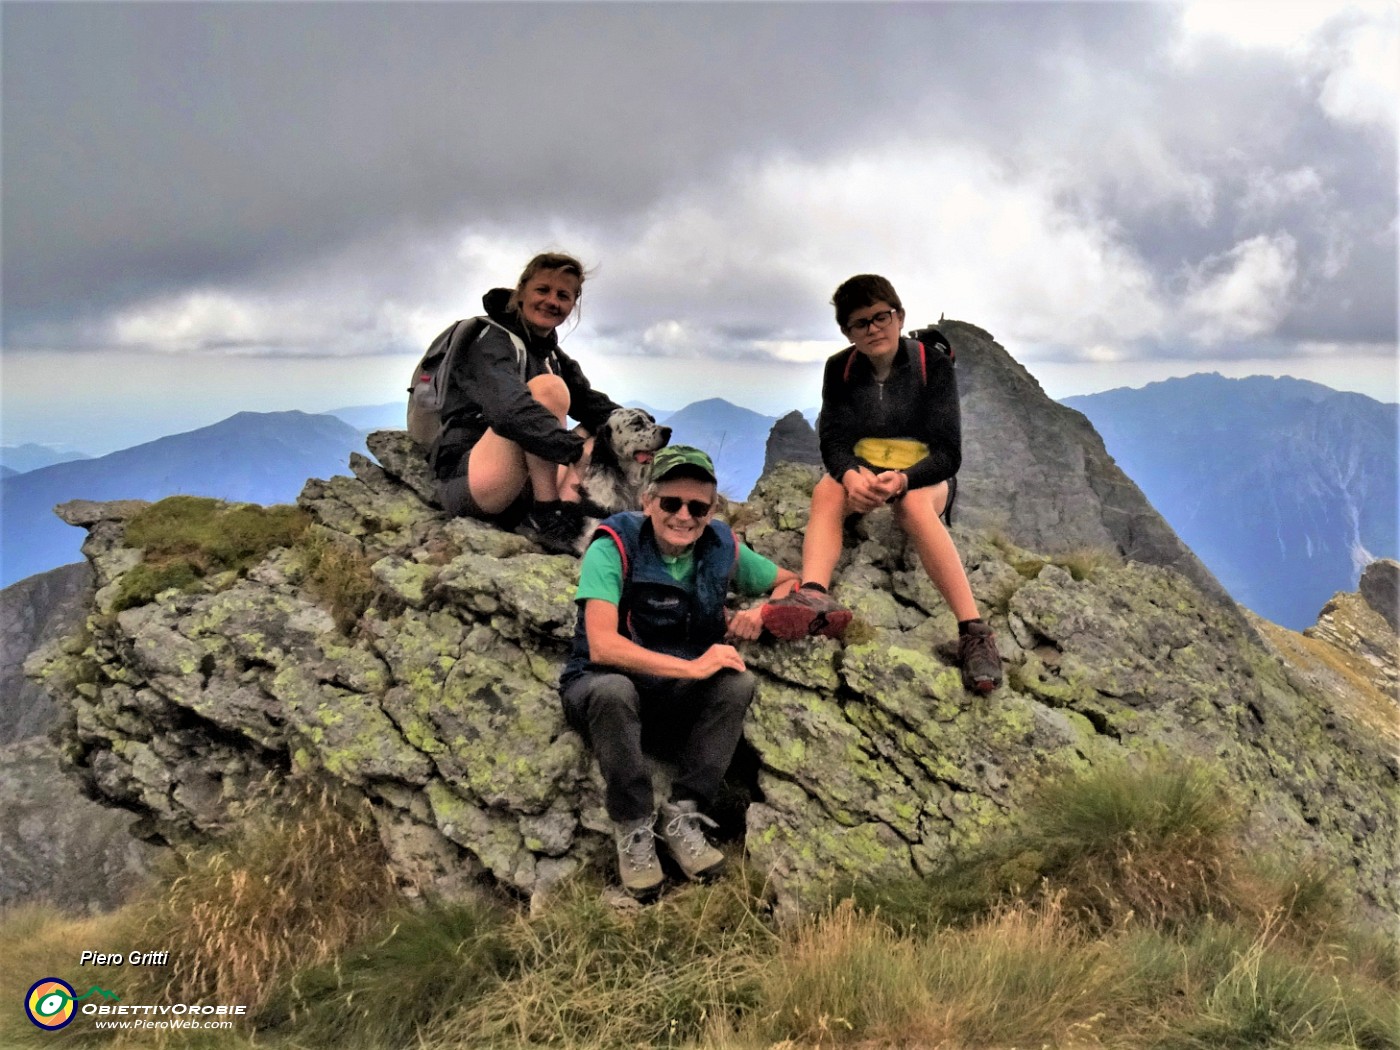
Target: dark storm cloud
[(151, 149)]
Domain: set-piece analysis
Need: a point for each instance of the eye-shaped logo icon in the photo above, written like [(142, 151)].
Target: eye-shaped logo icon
[(49, 1004)]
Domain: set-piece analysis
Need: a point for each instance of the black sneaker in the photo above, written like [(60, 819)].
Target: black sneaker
[(556, 526), (979, 659)]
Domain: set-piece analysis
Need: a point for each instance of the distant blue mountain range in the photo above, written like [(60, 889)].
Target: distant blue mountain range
[(1284, 488), (19, 459), (251, 457)]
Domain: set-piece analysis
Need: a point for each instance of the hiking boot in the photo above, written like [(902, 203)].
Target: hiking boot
[(979, 659), (556, 526), (636, 858), (687, 844), (803, 613)]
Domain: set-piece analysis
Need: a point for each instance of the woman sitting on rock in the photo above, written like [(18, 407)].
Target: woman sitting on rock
[(505, 454), (890, 432)]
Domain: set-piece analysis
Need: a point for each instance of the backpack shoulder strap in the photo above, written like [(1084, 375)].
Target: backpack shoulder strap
[(923, 364), (850, 362), (516, 341), (608, 530)]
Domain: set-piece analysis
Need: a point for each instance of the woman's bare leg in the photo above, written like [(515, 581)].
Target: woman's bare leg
[(498, 469)]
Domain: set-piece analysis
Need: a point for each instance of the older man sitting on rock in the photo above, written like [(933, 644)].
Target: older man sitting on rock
[(651, 658)]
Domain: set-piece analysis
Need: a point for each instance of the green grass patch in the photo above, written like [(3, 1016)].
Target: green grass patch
[(1119, 842), (186, 539), (338, 574)]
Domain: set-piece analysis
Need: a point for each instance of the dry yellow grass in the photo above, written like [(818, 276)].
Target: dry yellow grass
[(1344, 676)]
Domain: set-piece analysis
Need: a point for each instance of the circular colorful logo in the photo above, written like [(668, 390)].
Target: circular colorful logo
[(49, 1003)]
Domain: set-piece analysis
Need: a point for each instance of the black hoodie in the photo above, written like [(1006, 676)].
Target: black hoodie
[(486, 390)]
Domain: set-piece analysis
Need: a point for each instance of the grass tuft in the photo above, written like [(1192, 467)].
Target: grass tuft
[(410, 975), (1118, 842), (339, 575), (189, 538), (294, 887), (587, 973)]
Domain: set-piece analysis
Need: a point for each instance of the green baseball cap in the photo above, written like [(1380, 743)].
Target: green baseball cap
[(673, 457)]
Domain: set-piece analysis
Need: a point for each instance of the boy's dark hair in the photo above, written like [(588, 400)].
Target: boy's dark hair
[(864, 289)]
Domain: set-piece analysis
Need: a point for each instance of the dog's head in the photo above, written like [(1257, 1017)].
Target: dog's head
[(631, 435)]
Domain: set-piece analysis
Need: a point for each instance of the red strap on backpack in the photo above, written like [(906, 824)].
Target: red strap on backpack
[(923, 364)]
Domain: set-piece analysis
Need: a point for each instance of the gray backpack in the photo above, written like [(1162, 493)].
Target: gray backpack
[(428, 389)]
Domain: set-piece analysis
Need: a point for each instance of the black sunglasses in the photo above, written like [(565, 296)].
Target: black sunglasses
[(672, 504)]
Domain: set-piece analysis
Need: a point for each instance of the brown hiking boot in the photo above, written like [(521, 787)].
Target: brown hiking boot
[(687, 844), (803, 613), (979, 659), (637, 862)]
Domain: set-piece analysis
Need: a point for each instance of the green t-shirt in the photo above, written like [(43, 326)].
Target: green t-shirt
[(600, 572)]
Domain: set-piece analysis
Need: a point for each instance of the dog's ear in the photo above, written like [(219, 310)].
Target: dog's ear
[(603, 452)]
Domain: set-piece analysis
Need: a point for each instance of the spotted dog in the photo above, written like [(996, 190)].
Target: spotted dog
[(620, 466)]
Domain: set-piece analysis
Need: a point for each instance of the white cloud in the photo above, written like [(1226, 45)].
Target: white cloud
[(1242, 293), (756, 260), (1276, 24), (1268, 191), (1351, 49), (1362, 80)]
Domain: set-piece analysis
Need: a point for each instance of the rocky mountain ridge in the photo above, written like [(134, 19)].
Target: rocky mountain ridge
[(438, 704), (1285, 488)]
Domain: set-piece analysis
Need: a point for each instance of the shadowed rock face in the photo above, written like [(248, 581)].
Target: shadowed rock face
[(1380, 586), (49, 605), (440, 707), (792, 440), (1039, 470), (58, 846)]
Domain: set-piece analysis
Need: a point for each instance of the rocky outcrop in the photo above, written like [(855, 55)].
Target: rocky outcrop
[(438, 703), (32, 612), (1361, 626), (792, 440), (1380, 586), (1039, 471)]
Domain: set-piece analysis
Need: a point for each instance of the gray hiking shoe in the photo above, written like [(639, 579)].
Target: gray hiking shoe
[(979, 659), (687, 844), (636, 858)]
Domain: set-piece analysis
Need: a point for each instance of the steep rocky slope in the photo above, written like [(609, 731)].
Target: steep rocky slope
[(49, 605), (438, 702)]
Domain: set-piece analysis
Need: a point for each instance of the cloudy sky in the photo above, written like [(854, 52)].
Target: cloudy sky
[(223, 206)]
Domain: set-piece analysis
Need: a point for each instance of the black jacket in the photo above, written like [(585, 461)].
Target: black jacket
[(487, 391), (902, 406)]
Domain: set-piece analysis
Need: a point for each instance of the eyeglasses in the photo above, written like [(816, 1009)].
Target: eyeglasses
[(874, 320), (672, 504)]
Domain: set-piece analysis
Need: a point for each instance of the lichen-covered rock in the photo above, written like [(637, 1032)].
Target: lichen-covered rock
[(438, 702)]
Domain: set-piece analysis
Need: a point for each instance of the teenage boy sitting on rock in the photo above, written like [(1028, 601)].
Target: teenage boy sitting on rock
[(651, 658)]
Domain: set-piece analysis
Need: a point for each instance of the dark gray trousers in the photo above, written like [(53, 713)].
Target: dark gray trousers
[(696, 724)]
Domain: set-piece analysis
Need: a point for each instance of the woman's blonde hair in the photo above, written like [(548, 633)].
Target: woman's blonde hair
[(546, 261)]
